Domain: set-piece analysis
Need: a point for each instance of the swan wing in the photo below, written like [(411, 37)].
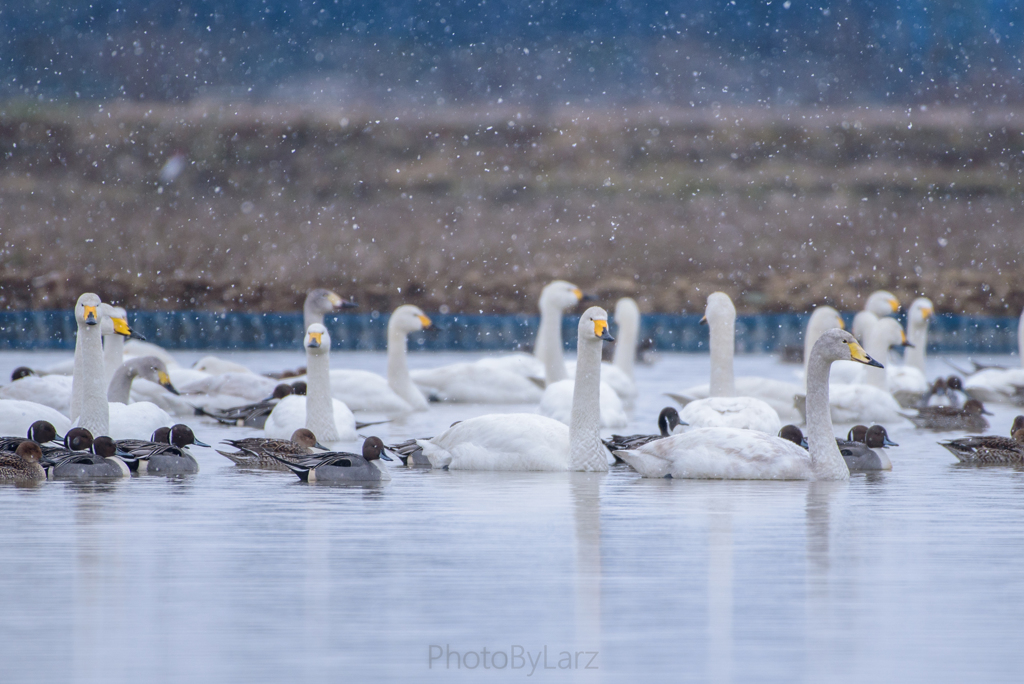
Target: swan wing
[(477, 383), (732, 412), (49, 390), (517, 441), (136, 421), (16, 416)]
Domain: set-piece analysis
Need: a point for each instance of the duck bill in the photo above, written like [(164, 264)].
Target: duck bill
[(318, 445), (858, 354), (886, 442), (386, 457), (198, 443)]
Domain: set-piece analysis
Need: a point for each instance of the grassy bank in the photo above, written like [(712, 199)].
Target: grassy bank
[(475, 210)]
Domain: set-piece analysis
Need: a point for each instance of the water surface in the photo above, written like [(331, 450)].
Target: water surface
[(236, 575)]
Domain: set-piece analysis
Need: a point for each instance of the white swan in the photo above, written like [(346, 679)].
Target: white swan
[(998, 385), (776, 393), (619, 373), (329, 419), (907, 382), (396, 395), (524, 441), (557, 400), (879, 305), (822, 318), (720, 407), (728, 453), (505, 379), (16, 416), (870, 401), (88, 391), (115, 328), (141, 419)]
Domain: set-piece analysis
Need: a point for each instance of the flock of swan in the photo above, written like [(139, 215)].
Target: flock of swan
[(113, 410)]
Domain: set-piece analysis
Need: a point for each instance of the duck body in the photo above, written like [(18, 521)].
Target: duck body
[(970, 418), (410, 453), (986, 450), (22, 464), (341, 467), (259, 452), (96, 464), (668, 420)]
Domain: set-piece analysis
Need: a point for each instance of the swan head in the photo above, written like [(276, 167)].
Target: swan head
[(321, 301), (307, 439), (181, 436), (719, 310), (29, 451), (373, 448), (825, 317), (839, 345), (594, 325), (560, 294), (408, 319), (921, 310), (882, 303), (626, 309), (150, 368), (318, 340), (87, 309), (888, 331)]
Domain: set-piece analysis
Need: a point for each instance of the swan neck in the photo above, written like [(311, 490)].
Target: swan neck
[(120, 386), (625, 344), (877, 345), (826, 461), (311, 316), (549, 343), (917, 335), (723, 340), (586, 452), (398, 370), (87, 384), (319, 406), (113, 356)]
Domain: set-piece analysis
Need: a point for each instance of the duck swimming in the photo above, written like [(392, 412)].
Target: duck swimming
[(970, 418), (258, 452), (342, 468), (990, 449), (22, 465), (668, 421)]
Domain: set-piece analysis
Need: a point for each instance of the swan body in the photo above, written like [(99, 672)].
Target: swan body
[(861, 404), (996, 385), (329, 419), (505, 379), (49, 390), (248, 386), (724, 453), (526, 441), (141, 348), (17, 416), (778, 394), (556, 402), (732, 412), (880, 304), (135, 421), (722, 407), (214, 365)]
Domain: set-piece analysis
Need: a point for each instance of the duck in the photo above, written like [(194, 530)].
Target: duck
[(102, 461), (668, 421), (720, 315), (722, 406), (410, 453), (256, 452), (859, 457), (732, 453), (907, 383), (396, 395), (40, 432), (22, 465), (970, 418), (328, 418), (531, 442), (990, 449), (249, 415), (506, 379), (946, 391), (165, 453), (340, 467)]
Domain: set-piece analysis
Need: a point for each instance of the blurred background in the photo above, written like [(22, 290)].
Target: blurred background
[(229, 155)]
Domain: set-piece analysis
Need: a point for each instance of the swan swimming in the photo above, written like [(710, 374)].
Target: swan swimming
[(328, 418), (730, 453), (722, 408), (526, 441), (776, 394)]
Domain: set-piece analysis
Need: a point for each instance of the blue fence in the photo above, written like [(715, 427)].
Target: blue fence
[(245, 331)]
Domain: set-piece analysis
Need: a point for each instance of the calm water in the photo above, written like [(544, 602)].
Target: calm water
[(232, 575)]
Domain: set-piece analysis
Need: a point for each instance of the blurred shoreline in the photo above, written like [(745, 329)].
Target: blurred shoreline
[(475, 209)]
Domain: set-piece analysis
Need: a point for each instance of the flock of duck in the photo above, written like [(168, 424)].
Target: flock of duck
[(113, 410)]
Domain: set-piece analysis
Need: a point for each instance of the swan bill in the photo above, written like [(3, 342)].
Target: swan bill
[(905, 342), (315, 339), (858, 354), (895, 304), (601, 330), (424, 321), (165, 382), (91, 318)]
